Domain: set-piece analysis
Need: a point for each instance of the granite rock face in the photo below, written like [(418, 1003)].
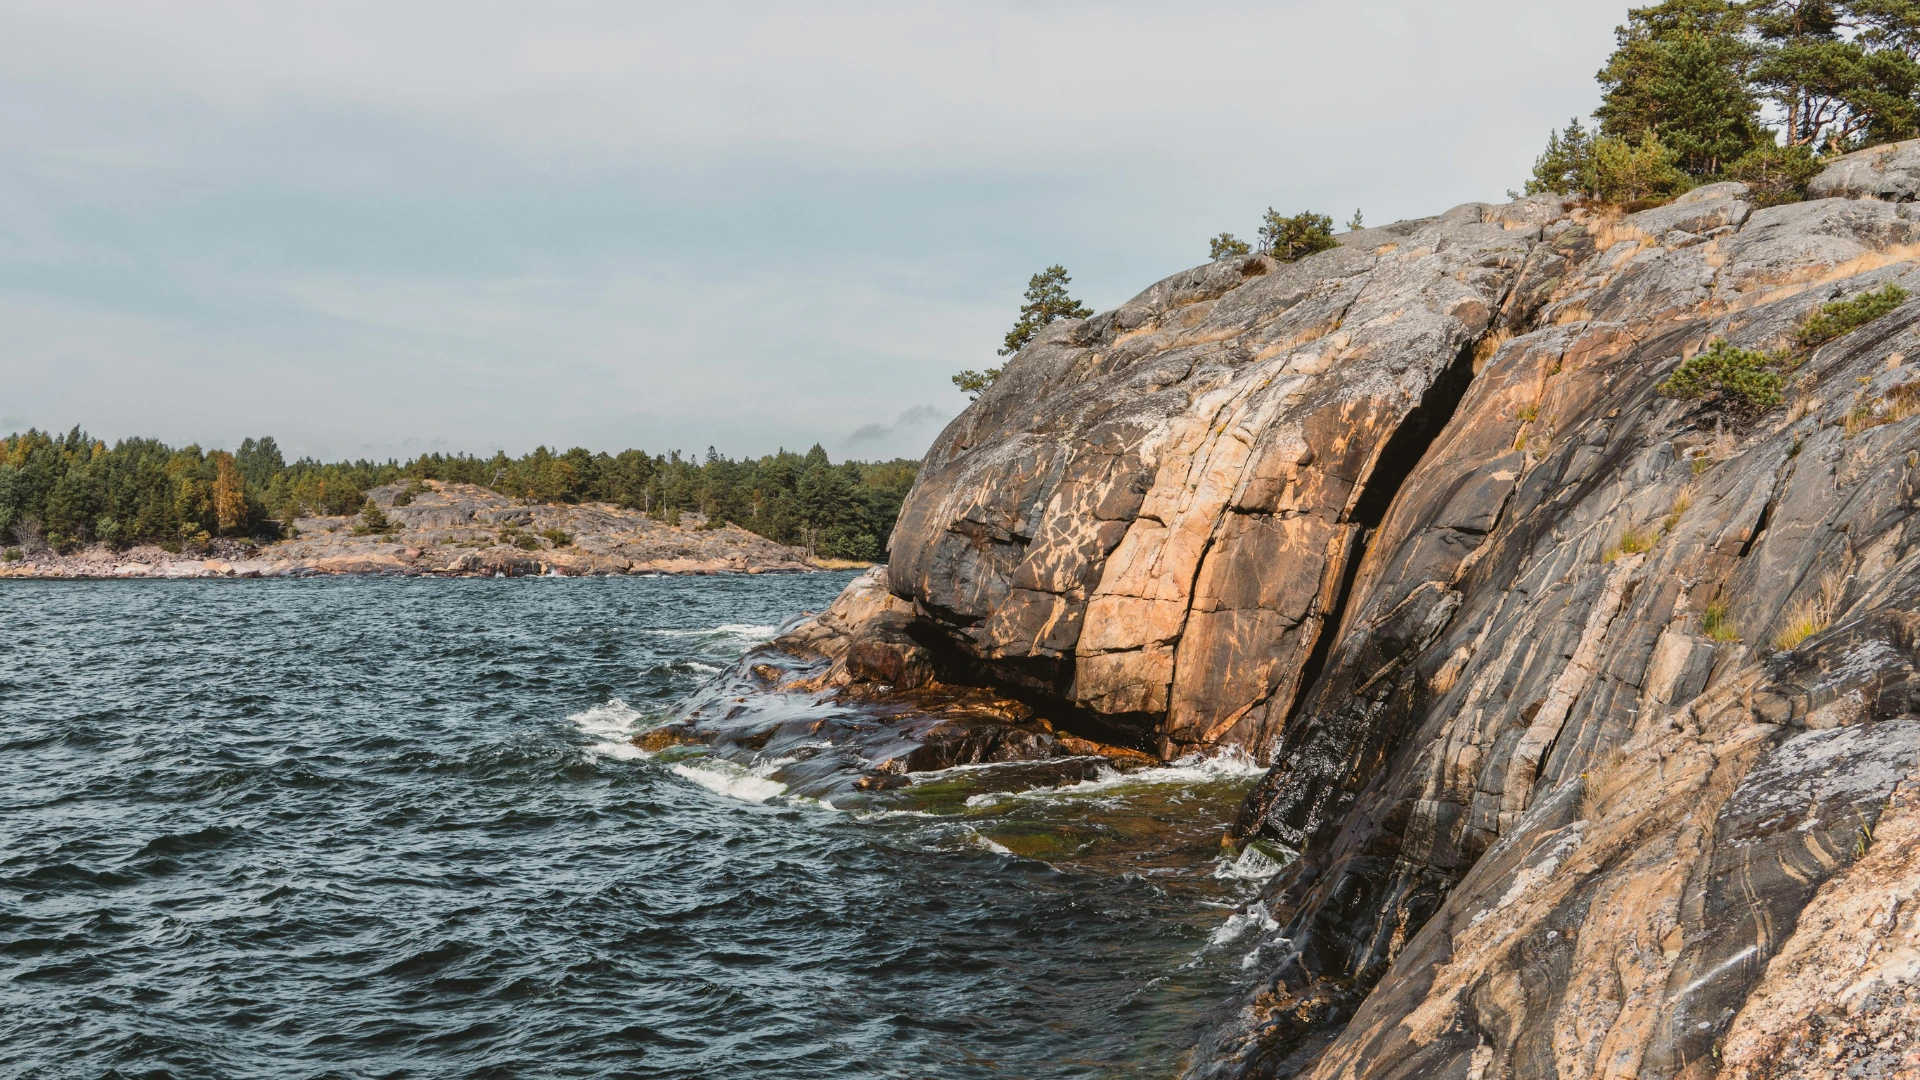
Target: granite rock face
[(1102, 525), (1890, 172), (1593, 715)]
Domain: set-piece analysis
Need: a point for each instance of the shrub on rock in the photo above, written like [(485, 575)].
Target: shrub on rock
[(1743, 380), (1291, 239)]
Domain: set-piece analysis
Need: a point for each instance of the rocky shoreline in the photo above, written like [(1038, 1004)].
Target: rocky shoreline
[(845, 705), (1592, 712), (451, 530)]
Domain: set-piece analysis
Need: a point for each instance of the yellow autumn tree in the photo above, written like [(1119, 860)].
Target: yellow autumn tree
[(229, 493)]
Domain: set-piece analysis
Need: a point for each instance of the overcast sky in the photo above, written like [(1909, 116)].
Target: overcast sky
[(375, 228)]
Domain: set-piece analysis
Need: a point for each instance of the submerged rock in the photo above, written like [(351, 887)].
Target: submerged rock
[(1588, 709)]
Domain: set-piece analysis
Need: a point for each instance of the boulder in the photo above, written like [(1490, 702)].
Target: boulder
[(1890, 172)]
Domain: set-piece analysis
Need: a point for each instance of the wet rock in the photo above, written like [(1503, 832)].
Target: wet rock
[(883, 651)]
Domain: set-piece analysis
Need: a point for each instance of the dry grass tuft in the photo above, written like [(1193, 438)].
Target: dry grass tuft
[(1804, 620), (1717, 624), (1900, 403), (1814, 613), (1601, 782), (1632, 542), (1681, 504)]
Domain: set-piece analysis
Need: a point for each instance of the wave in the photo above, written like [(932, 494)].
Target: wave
[(1254, 917), (1230, 764), (734, 781), (1252, 865), (749, 631), (613, 723), (987, 842)]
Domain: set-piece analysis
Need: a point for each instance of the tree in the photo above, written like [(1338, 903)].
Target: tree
[(66, 490), (974, 383), (1636, 172), (1566, 167), (258, 460), (229, 494), (1745, 382), (372, 520), (1680, 72), (1358, 221), (1776, 174), (1226, 246), (1047, 301), (1290, 239), (1841, 72)]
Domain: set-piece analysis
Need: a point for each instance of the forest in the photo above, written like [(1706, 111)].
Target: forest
[(62, 491)]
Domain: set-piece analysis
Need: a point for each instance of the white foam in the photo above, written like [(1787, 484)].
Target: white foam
[(1252, 865), (747, 631), (726, 778), (613, 723), (613, 717), (619, 751), (1255, 917), (883, 815), (1230, 764), (990, 845)]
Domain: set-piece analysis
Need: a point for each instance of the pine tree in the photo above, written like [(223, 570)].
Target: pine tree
[(1775, 174), (1291, 239), (1047, 301), (1566, 167), (1680, 72), (372, 520), (1636, 172), (259, 460), (1226, 246), (974, 383), (1842, 72)]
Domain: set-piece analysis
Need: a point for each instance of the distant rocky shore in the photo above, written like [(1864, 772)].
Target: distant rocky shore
[(450, 530)]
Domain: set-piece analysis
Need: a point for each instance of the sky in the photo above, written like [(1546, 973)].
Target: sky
[(377, 229)]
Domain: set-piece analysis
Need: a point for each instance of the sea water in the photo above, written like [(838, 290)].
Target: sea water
[(387, 827)]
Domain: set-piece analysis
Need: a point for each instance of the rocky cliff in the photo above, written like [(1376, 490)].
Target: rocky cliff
[(1592, 714)]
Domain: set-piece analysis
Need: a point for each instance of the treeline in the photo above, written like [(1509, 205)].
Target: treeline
[(1760, 92), (63, 491)]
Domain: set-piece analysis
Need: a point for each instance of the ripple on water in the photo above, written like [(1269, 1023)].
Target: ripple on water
[(339, 827)]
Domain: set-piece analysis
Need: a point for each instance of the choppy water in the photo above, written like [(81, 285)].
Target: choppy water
[(393, 828)]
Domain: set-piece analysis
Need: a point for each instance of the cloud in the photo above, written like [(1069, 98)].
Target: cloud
[(1387, 19), (605, 224), (917, 417)]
